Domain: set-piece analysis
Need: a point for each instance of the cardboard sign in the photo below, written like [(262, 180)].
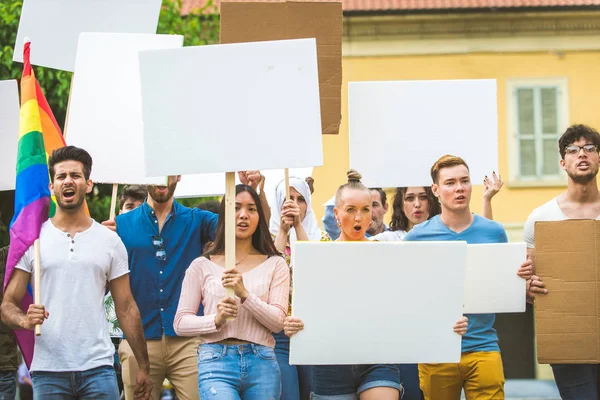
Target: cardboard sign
[(414, 123), (345, 292), (105, 114), (9, 133), (231, 107), (53, 26), (262, 21), (567, 318), (492, 284)]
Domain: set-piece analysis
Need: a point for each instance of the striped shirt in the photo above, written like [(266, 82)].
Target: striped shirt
[(263, 311)]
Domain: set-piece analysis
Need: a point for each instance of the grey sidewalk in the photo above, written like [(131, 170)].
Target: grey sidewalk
[(530, 389)]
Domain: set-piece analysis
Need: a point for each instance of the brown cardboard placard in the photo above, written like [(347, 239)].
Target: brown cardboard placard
[(243, 22), (567, 258)]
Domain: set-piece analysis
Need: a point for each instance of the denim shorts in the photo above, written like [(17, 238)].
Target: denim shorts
[(248, 371), (345, 382)]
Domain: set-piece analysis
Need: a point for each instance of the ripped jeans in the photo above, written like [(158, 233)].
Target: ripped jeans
[(238, 372)]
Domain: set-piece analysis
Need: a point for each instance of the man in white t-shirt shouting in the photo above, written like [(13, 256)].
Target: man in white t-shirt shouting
[(578, 148), (73, 358)]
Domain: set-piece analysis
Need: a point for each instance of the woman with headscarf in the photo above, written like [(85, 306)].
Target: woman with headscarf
[(292, 220)]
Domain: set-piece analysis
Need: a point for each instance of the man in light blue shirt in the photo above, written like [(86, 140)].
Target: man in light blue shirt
[(480, 370)]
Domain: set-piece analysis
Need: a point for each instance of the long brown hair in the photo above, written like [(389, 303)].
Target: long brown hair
[(261, 238), (399, 219)]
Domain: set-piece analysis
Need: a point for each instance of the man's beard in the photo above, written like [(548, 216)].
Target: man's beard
[(72, 206), (583, 179), (159, 198)]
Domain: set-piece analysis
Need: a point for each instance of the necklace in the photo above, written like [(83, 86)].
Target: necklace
[(242, 260)]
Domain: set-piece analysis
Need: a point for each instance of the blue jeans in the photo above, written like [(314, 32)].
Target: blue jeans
[(296, 381), (409, 377), (234, 372), (8, 385), (577, 381), (345, 382), (97, 383)]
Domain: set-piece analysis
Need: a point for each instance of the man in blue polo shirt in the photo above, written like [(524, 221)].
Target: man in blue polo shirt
[(162, 238), (480, 370)]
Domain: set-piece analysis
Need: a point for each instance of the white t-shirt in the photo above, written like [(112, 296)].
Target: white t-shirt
[(389, 236), (74, 273), (547, 212)]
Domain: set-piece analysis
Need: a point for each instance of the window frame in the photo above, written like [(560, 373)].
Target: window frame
[(562, 108)]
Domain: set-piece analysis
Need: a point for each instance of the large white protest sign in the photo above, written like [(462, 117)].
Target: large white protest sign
[(105, 114), (492, 284), (403, 298), (9, 133), (53, 26), (231, 107), (408, 125), (201, 185)]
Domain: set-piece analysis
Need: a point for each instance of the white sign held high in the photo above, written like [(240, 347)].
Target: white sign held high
[(492, 284), (214, 184), (382, 293), (9, 133), (105, 114), (231, 107), (53, 26), (413, 123)]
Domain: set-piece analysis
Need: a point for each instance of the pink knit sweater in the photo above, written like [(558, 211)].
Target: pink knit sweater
[(261, 313)]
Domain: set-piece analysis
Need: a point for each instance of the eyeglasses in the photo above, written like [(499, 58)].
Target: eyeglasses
[(588, 148), (157, 241)]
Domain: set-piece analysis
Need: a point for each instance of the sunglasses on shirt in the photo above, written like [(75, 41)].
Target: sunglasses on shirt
[(157, 241)]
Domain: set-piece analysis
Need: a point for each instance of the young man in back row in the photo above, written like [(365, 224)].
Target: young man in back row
[(480, 370), (578, 148)]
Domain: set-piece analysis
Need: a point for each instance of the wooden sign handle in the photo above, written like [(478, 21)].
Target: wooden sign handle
[(287, 183), (113, 201), (230, 226)]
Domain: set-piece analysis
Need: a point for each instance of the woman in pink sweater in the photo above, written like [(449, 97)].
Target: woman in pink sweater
[(236, 359)]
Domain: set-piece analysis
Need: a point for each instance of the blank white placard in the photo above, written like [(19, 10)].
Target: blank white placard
[(201, 185), (231, 107), (357, 300), (9, 133), (492, 284), (105, 114), (53, 26), (414, 123)]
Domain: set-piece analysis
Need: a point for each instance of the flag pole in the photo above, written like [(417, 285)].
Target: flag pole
[(36, 280)]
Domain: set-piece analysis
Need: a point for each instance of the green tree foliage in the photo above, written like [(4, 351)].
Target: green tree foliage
[(200, 27)]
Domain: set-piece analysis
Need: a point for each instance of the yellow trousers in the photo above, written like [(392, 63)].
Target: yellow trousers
[(479, 373)]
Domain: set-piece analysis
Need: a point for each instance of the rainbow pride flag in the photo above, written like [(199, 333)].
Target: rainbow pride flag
[(39, 135)]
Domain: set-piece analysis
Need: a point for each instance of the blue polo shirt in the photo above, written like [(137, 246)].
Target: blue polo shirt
[(155, 283), (481, 335)]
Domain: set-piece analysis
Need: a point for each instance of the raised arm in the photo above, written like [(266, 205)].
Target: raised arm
[(492, 187)]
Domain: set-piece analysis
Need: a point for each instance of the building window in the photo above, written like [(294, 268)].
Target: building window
[(538, 115)]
